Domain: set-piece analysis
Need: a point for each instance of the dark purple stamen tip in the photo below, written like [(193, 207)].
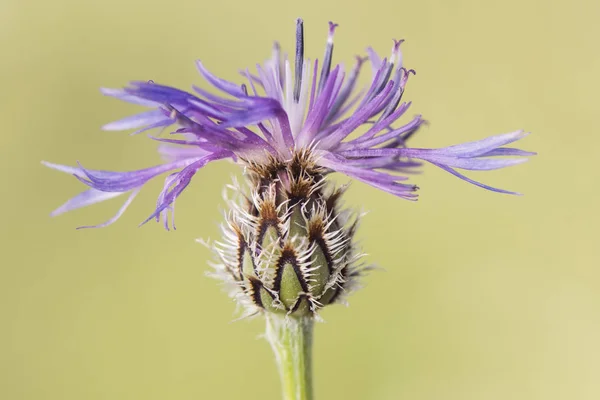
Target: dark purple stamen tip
[(409, 71), (360, 60), (332, 26), (397, 44)]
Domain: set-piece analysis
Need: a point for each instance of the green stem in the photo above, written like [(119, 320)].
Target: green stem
[(291, 340)]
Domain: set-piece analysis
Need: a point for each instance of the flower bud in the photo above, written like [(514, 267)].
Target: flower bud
[(288, 244)]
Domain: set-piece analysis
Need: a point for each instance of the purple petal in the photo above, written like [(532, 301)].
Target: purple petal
[(318, 112), (184, 178), (64, 168), (381, 124), (396, 133), (109, 181), (374, 59), (83, 199), (160, 93), (341, 103), (480, 147), (135, 121), (175, 153), (507, 151), (222, 84), (379, 82), (474, 164), (461, 176), (380, 180), (128, 97), (202, 145), (358, 118), (253, 115), (164, 214), (161, 124), (117, 215)]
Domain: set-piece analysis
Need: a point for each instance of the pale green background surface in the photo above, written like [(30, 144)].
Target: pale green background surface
[(485, 296)]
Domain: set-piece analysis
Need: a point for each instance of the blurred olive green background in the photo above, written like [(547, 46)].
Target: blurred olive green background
[(484, 296)]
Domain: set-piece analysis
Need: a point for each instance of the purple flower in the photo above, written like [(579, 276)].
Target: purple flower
[(280, 110)]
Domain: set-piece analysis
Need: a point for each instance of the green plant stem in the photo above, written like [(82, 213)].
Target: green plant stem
[(291, 340)]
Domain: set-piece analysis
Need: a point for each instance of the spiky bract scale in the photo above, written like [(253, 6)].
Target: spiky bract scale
[(288, 244)]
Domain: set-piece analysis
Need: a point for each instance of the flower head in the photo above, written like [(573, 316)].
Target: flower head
[(285, 108), (287, 242)]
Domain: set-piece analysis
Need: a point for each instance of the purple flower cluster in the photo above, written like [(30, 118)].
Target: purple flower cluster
[(280, 110)]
